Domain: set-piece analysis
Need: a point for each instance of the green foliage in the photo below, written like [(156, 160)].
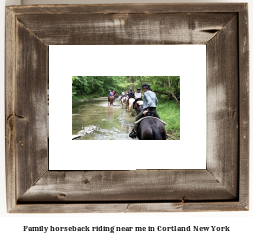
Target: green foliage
[(83, 86), (170, 113)]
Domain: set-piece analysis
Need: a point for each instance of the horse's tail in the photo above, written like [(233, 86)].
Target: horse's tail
[(156, 132)]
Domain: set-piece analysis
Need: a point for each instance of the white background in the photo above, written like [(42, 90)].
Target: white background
[(11, 224), (186, 61)]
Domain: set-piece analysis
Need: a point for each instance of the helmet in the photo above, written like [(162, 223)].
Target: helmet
[(145, 85)]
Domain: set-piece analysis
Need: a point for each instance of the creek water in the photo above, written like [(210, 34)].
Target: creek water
[(114, 123)]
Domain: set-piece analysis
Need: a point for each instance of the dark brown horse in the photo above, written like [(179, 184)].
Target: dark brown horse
[(151, 129), (110, 100), (138, 107)]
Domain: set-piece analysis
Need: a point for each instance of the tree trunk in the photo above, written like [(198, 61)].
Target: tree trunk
[(172, 92), (132, 81), (140, 81), (176, 87)]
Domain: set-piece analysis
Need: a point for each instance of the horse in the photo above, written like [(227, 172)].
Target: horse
[(130, 103), (116, 95), (138, 106), (151, 128), (123, 101), (110, 100)]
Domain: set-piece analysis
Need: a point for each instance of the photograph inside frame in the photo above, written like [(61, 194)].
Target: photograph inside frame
[(125, 107)]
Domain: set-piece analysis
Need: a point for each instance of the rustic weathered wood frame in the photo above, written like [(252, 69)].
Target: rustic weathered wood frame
[(223, 186)]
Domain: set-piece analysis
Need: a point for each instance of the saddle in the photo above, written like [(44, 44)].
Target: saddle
[(143, 118), (150, 114)]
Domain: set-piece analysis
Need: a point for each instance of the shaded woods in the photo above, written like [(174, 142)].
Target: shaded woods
[(167, 89)]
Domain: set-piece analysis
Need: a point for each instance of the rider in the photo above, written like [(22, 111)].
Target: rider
[(113, 94), (149, 106), (130, 95), (122, 94), (138, 97)]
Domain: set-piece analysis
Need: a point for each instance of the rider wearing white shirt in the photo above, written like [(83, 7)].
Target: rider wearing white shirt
[(138, 96)]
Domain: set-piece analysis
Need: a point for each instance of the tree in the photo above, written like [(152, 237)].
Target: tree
[(165, 87), (170, 80), (132, 83)]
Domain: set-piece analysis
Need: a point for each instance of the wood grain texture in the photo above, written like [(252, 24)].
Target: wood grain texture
[(30, 108), (244, 106), (139, 185), (222, 107), (129, 8), (186, 207), (223, 186), (9, 108), (121, 29), (129, 207)]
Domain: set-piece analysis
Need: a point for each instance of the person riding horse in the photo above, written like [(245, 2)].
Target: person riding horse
[(113, 93), (122, 95), (138, 97), (111, 97), (130, 95), (150, 102)]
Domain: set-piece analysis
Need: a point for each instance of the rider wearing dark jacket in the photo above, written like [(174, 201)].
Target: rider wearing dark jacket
[(149, 107), (131, 94)]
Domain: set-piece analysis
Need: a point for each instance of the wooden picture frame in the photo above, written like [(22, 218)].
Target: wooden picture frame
[(222, 186)]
